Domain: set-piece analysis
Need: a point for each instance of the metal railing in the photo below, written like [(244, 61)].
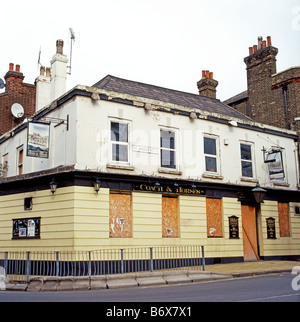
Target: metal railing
[(20, 266)]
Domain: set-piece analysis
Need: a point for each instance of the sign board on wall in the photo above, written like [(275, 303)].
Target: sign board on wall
[(38, 140)]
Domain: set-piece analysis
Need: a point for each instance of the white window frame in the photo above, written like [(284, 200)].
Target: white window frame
[(216, 156), (252, 161), (176, 149), (112, 142), (20, 164)]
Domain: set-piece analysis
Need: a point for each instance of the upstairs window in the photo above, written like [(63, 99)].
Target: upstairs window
[(211, 154), (246, 160), (20, 155), (119, 142), (167, 149)]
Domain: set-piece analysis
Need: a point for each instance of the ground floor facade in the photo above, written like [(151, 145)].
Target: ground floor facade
[(137, 212)]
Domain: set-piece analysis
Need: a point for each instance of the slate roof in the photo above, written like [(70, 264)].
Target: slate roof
[(239, 97), (119, 85)]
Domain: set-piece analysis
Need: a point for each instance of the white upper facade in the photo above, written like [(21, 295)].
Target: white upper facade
[(115, 132)]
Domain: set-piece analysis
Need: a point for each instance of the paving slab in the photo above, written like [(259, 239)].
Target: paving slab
[(121, 281), (150, 279), (98, 283), (176, 277)]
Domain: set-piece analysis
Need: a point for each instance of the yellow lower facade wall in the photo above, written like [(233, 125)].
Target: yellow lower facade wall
[(281, 246), (77, 218)]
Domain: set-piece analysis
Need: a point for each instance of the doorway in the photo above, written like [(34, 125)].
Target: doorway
[(249, 233)]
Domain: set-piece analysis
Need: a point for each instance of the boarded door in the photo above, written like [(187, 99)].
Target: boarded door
[(119, 215), (169, 218), (249, 233)]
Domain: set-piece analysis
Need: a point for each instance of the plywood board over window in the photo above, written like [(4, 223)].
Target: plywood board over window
[(214, 217), (119, 215), (284, 219), (169, 217)]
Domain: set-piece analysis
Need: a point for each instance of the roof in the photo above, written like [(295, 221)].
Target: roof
[(119, 85), (239, 97)]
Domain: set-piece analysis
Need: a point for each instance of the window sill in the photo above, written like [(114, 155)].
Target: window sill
[(212, 176), (245, 179), (120, 167), (281, 184), (170, 171)]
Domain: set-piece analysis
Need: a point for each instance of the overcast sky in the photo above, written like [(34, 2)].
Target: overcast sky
[(161, 42)]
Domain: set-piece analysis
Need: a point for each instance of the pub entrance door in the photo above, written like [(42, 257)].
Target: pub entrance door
[(249, 233)]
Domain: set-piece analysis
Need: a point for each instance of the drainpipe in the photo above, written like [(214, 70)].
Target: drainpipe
[(284, 90)]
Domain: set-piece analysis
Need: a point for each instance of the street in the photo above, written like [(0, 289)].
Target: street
[(268, 288)]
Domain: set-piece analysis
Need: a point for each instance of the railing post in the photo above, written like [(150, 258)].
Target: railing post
[(5, 263), (90, 265), (122, 261), (27, 266), (151, 259), (57, 263), (203, 258)]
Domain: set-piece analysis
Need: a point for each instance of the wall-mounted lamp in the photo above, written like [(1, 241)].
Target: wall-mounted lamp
[(53, 186), (194, 187), (97, 184), (259, 193), (157, 185)]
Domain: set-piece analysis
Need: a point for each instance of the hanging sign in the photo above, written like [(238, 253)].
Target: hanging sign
[(38, 140)]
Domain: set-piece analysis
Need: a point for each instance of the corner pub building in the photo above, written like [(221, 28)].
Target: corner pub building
[(136, 165)]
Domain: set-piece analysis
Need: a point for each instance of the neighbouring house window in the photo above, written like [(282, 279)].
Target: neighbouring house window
[(214, 217), (119, 142), (120, 215), (20, 155), (170, 217), (211, 155), (167, 149), (26, 228), (246, 160), (284, 219)]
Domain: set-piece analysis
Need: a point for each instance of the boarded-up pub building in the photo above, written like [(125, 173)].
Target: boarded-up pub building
[(124, 164)]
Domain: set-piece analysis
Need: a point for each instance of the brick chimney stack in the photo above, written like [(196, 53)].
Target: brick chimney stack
[(16, 91), (207, 85), (261, 65)]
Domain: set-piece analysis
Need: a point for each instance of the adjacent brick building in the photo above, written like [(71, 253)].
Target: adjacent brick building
[(271, 98), (16, 91)]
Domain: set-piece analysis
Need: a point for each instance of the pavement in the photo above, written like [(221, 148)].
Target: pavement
[(145, 279)]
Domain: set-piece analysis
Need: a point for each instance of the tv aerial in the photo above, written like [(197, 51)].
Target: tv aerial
[(17, 110), (72, 37)]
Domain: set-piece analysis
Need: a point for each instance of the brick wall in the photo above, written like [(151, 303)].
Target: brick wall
[(16, 91), (273, 98)]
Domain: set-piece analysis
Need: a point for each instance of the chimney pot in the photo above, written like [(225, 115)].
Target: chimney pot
[(269, 41), (17, 68), (250, 51), (260, 39), (203, 73), (211, 75), (207, 73), (59, 46), (264, 44), (42, 70), (11, 66), (255, 48)]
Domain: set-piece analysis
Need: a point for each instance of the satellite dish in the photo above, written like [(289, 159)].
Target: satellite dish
[(17, 110), (2, 84)]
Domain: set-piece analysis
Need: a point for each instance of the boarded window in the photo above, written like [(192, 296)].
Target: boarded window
[(214, 217), (284, 219), (119, 215), (169, 217)]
